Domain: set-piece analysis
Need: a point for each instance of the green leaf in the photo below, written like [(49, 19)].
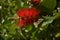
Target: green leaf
[(12, 28), (7, 22), (25, 5), (47, 20), (57, 16), (44, 27), (57, 35), (49, 4), (33, 34), (29, 28)]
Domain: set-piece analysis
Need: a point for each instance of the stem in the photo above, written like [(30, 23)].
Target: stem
[(22, 34)]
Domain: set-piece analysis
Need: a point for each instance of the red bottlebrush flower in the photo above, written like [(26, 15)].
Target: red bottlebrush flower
[(21, 23), (28, 16), (37, 1)]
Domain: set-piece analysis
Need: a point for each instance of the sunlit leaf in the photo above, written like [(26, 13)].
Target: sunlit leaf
[(47, 20), (29, 28), (57, 35)]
